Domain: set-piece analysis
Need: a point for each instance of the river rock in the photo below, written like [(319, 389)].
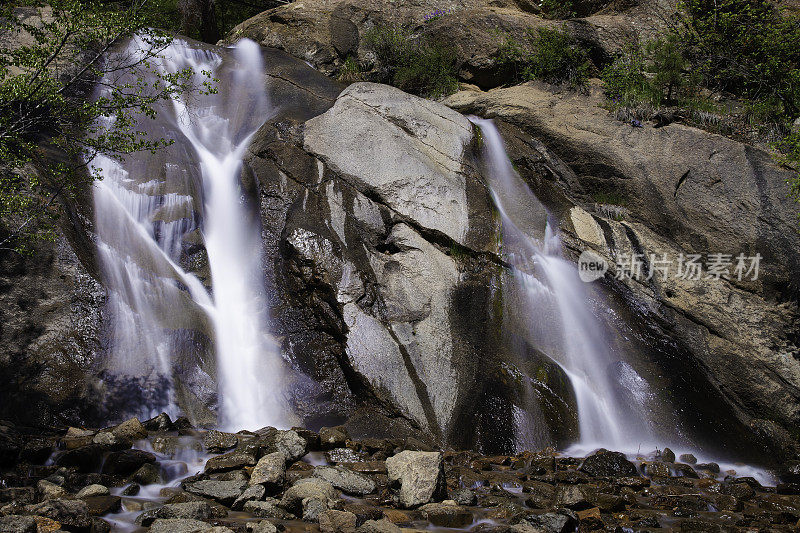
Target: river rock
[(418, 477), (100, 505), (378, 526), (191, 510), (688, 458), (93, 490), (130, 430), (18, 524), (333, 521), (334, 437), (217, 442), (345, 480), (225, 492), (50, 491), (270, 471), (264, 526), (251, 493), (447, 515), (179, 525), (87, 458), (611, 464), (147, 474), (74, 514), (296, 498), (230, 461), (161, 422), (269, 508)]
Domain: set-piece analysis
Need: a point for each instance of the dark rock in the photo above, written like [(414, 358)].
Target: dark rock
[(342, 455), (550, 522), (161, 422), (684, 470), (446, 515), (131, 490), (741, 491), (571, 497), (788, 488), (18, 494), (710, 467), (86, 458), (656, 469), (126, 462), (37, 450), (608, 464), (464, 497), (18, 524), (100, 505), (790, 473), (668, 455), (688, 458), (73, 514), (147, 474), (378, 526), (364, 512)]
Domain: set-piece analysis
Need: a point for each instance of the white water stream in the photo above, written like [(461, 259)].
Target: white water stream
[(150, 208), (559, 314)]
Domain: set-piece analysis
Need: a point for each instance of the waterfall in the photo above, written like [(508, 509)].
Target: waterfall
[(180, 251), (558, 313)]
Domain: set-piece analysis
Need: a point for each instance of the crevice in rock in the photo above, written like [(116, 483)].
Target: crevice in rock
[(680, 182)]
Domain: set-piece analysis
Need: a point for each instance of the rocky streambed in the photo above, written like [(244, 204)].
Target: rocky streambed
[(167, 476)]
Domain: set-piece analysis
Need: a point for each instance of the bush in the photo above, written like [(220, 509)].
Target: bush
[(789, 150), (547, 54), (420, 66), (558, 9)]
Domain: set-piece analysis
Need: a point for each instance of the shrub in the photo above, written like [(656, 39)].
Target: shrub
[(351, 71), (420, 66), (558, 9), (547, 54)]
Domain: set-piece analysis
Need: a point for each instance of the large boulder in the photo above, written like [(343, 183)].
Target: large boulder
[(416, 478)]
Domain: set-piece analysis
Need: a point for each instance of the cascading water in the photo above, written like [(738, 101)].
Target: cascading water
[(558, 313), (154, 213)]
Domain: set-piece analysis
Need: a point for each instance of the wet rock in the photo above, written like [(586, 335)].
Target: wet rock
[(217, 442), (224, 492), (147, 474), (685, 470), (364, 512), (298, 495), (270, 471), (541, 494), (571, 497), (130, 430), (18, 494), (126, 462), (161, 422), (334, 437), (790, 473), (74, 514), (290, 444), (100, 505), (416, 478), (333, 521), (251, 493), (608, 464), (464, 497), (345, 480), (446, 515), (656, 469), (378, 526), (93, 490), (178, 525), (86, 458), (229, 461), (270, 508), (312, 508), (264, 526), (667, 455), (688, 458), (550, 522), (190, 510), (37, 450), (49, 490), (76, 437), (18, 524), (740, 491), (709, 467), (131, 490)]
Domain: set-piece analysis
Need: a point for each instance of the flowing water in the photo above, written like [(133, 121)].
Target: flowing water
[(180, 250), (559, 315)]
